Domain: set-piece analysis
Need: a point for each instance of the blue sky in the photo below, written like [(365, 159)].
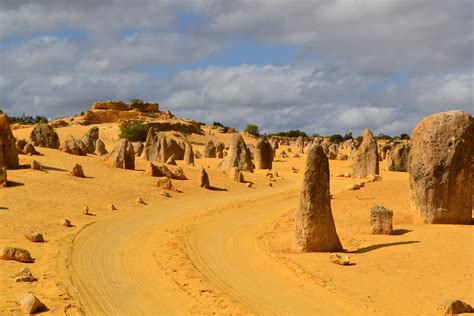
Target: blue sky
[(320, 66)]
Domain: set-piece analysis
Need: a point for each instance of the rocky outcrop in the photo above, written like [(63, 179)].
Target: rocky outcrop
[(100, 149), (238, 156), (44, 135), (365, 160), (73, 146), (90, 139), (440, 168), (123, 155), (160, 148), (209, 151), (381, 220), (8, 150), (16, 254), (263, 154), (204, 179), (314, 223), (188, 154), (398, 158)]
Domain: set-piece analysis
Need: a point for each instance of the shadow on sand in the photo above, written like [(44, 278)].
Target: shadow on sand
[(375, 247)]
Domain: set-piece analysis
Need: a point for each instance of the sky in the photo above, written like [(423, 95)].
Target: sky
[(321, 66)]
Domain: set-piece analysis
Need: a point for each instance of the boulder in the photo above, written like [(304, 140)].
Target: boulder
[(440, 169), (381, 220), (123, 155), (365, 160), (263, 154), (31, 304), (16, 254), (340, 259), (188, 154), (164, 183), (77, 171), (90, 139), (65, 222), (398, 158), (34, 236), (314, 224), (20, 145), (100, 149), (24, 275), (454, 307), (73, 146), (8, 151), (35, 165), (209, 151), (44, 135), (236, 175), (238, 156), (30, 150), (204, 179)]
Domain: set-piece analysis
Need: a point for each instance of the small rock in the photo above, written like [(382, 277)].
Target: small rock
[(35, 165), (270, 184), (111, 207), (24, 275), (381, 220), (361, 184), (347, 175), (65, 222), (340, 259), (164, 193), (77, 171), (248, 184), (17, 254), (164, 183), (85, 211), (140, 201), (294, 170), (340, 175), (34, 236), (453, 307), (275, 173), (30, 303)]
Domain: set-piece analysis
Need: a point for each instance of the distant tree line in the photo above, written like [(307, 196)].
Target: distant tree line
[(27, 119)]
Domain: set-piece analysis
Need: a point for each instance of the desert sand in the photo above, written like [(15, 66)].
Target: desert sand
[(224, 251)]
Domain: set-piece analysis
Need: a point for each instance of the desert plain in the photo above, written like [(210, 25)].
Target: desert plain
[(223, 249)]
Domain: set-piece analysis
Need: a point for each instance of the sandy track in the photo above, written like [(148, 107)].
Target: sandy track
[(196, 255)]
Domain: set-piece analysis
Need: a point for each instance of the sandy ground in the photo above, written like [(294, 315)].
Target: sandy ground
[(225, 251)]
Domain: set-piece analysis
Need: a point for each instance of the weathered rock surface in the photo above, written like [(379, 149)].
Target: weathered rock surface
[(263, 154), (164, 183), (440, 169), (31, 150), (160, 148), (454, 307), (398, 158), (138, 147), (31, 304), (8, 150), (73, 146), (24, 275), (100, 149), (3, 177), (123, 155), (236, 175), (16, 254), (314, 223), (34, 236), (238, 156), (188, 154), (339, 258), (44, 135), (35, 165), (209, 151), (204, 179), (365, 160), (90, 139), (77, 171), (381, 220)]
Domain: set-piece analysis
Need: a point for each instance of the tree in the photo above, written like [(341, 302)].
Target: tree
[(136, 101), (405, 136), (252, 129), (348, 136), (336, 138)]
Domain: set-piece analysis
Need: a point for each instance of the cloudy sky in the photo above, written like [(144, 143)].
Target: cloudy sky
[(322, 66)]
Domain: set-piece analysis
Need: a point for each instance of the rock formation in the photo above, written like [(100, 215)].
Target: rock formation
[(440, 168), (31, 304), (263, 154), (236, 175), (398, 158), (365, 160), (73, 146), (90, 139), (8, 150), (100, 149), (160, 148), (77, 171), (209, 151), (204, 179), (188, 154), (238, 156), (17, 254), (381, 220), (123, 155), (314, 223), (44, 135)]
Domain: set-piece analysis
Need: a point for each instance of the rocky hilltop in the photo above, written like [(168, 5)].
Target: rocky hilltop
[(129, 113)]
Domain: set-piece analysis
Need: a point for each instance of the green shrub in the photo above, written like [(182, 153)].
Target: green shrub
[(184, 129), (252, 129), (136, 101), (395, 168), (134, 133)]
